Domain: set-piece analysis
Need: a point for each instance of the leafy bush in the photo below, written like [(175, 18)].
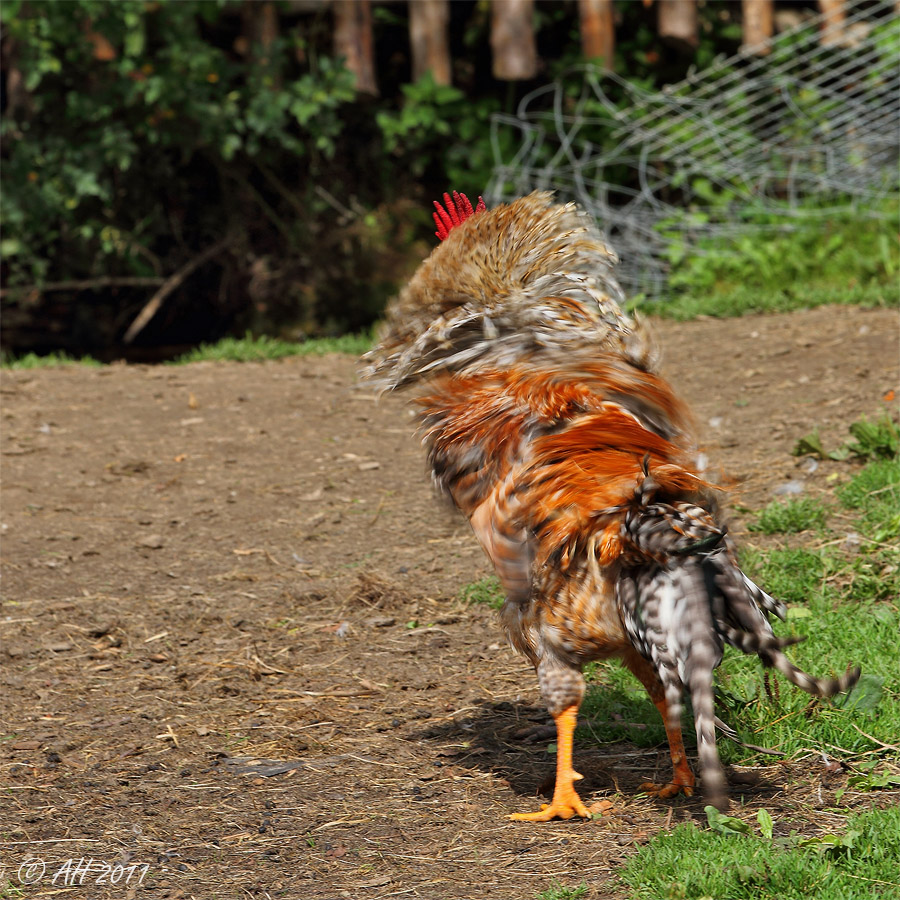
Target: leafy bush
[(142, 134), (122, 100), (875, 440), (142, 137), (872, 440)]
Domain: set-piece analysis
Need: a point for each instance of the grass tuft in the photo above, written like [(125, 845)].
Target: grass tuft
[(792, 574), (255, 349), (487, 591), (859, 860), (34, 361), (874, 496), (875, 490), (791, 517), (229, 349)]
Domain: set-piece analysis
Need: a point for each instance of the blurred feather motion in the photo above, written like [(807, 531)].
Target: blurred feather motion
[(547, 425)]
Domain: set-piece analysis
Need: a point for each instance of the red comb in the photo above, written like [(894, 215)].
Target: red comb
[(458, 209)]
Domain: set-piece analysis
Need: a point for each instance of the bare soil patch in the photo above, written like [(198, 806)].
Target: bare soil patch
[(232, 644)]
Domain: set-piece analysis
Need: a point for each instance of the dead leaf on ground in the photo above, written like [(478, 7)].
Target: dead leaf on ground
[(602, 808)]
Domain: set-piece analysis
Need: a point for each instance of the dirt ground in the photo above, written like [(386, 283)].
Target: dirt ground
[(234, 654)]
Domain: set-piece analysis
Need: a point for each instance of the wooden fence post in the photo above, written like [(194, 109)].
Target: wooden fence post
[(758, 23), (512, 40), (677, 23), (259, 26), (833, 25), (353, 41), (428, 21), (259, 30), (598, 34)]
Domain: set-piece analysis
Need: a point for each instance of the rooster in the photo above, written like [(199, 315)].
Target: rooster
[(547, 425)]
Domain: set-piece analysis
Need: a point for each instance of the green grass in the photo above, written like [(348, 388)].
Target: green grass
[(617, 708), (791, 517), (487, 591), (832, 259), (844, 600), (253, 349), (874, 498), (786, 719), (875, 495), (858, 861), (792, 574), (33, 361), (230, 349), (9, 891), (740, 300)]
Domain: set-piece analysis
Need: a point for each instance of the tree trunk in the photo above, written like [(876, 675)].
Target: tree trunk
[(260, 25), (759, 23), (353, 41), (428, 38), (677, 23), (259, 30), (512, 40), (598, 36), (833, 25)]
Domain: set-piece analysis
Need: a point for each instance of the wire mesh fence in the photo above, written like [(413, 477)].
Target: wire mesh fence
[(801, 128)]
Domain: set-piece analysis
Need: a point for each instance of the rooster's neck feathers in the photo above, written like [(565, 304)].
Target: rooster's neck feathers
[(520, 281)]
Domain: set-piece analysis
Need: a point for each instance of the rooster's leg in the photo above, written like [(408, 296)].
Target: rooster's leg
[(566, 802), (682, 776)]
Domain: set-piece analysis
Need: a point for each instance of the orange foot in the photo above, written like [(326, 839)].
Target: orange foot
[(665, 791), (682, 777), (566, 802)]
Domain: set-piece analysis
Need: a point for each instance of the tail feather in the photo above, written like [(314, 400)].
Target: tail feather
[(751, 643), (818, 687), (703, 654), (668, 616), (700, 685), (749, 604), (682, 596)]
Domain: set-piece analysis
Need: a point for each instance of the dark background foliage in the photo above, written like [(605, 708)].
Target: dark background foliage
[(140, 138)]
